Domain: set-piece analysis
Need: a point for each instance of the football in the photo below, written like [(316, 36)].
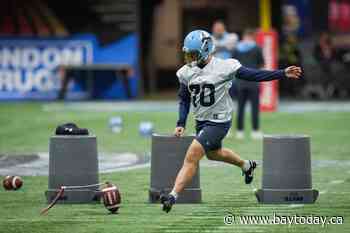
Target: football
[(111, 198), (12, 182)]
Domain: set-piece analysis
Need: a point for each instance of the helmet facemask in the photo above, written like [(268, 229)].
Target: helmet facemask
[(191, 57)]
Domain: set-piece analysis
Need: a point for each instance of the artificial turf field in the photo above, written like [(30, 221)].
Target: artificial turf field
[(26, 127)]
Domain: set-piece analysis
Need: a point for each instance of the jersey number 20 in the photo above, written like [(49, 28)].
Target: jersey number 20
[(196, 89)]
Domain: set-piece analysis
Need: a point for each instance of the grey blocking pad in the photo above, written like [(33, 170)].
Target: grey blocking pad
[(168, 153), (73, 162), (286, 175)]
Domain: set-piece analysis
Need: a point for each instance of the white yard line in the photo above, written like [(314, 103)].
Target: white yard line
[(107, 163), (296, 205), (323, 192), (172, 106), (129, 161), (337, 181)]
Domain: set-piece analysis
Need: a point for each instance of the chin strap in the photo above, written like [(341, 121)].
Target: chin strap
[(61, 191)]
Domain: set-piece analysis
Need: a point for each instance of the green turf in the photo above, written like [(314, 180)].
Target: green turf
[(25, 128)]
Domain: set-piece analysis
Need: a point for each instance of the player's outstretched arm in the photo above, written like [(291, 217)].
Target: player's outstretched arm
[(256, 75), (184, 108)]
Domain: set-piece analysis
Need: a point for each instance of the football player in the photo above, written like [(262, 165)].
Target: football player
[(204, 83)]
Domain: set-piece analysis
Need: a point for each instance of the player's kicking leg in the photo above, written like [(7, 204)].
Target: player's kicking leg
[(194, 154), (229, 156), (208, 141)]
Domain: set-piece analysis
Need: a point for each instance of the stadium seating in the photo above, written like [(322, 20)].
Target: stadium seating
[(29, 18)]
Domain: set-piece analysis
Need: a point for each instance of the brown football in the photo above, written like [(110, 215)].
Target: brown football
[(12, 182), (111, 198)]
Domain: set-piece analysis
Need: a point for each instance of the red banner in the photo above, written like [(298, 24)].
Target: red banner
[(339, 15), (268, 41)]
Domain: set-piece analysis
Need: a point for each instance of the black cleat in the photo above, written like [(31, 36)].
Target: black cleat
[(249, 174), (168, 201)]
